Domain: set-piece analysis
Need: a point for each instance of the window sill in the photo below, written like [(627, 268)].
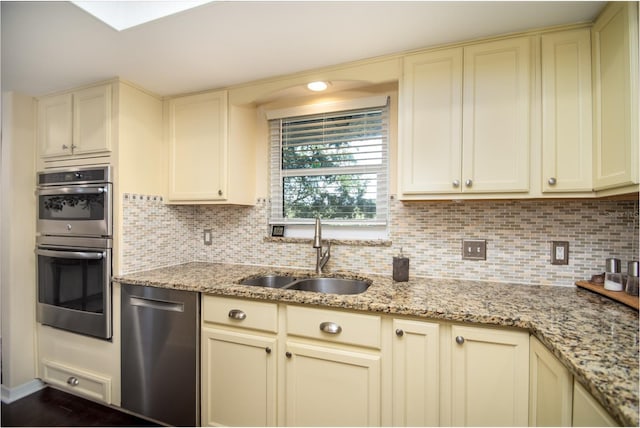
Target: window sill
[(346, 242)]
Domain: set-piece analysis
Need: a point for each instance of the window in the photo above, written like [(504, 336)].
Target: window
[(331, 165)]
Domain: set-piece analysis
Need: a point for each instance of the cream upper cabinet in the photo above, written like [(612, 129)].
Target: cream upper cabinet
[(431, 143), (415, 377), (566, 111), (197, 135), (76, 123), (329, 382), (466, 120), (489, 377), (551, 388), (238, 362), (615, 69), (211, 150), (496, 116), (587, 412)]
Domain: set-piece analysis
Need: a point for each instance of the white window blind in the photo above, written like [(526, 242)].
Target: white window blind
[(330, 165)]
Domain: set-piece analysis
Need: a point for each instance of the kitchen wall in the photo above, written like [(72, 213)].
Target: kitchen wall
[(518, 234), (17, 259)]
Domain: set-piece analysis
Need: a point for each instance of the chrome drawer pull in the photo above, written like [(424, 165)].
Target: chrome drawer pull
[(237, 314), (73, 381), (330, 327)]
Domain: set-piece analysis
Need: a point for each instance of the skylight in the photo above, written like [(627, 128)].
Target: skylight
[(121, 15)]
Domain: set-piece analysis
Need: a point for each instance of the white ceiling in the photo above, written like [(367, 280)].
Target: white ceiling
[(50, 46)]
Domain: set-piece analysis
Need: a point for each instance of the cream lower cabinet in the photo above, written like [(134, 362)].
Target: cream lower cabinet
[(238, 362), (556, 399), (489, 376), (587, 412), (331, 387), (551, 388), (328, 380), (416, 373)]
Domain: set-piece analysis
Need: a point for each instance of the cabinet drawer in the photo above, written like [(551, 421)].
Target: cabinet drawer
[(354, 329), (77, 380), (240, 313)]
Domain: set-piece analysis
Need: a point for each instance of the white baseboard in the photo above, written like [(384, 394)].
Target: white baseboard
[(12, 394)]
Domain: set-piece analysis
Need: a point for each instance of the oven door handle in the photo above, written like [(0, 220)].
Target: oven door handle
[(73, 191), (81, 255)]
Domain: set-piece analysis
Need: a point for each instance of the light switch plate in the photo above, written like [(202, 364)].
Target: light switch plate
[(207, 237), (559, 252), (474, 249)]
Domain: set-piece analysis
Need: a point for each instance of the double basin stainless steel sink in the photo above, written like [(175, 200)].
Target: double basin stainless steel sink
[(318, 285)]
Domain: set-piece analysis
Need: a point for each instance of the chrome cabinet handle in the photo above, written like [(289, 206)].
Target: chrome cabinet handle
[(237, 314), (456, 183), (73, 381), (459, 340), (552, 181), (330, 327), (399, 332), (468, 183)]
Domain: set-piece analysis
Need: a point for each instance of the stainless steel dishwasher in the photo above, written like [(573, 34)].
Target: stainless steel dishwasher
[(160, 358)]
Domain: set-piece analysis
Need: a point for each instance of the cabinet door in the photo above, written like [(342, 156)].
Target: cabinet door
[(92, 120), (615, 67), (416, 383), (566, 111), (238, 379), (551, 391), (431, 144), (331, 387), (587, 412), (496, 116), (55, 133), (490, 377), (198, 147)]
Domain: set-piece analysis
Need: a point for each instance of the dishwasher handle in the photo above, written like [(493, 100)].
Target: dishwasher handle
[(161, 305)]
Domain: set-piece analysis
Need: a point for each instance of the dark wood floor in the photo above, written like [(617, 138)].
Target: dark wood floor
[(53, 408)]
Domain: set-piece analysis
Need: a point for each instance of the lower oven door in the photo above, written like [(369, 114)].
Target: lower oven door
[(74, 289)]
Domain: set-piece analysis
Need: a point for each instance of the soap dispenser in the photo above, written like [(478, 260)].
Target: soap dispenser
[(400, 268)]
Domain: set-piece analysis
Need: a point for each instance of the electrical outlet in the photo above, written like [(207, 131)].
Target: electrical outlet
[(207, 236), (474, 249), (559, 252)]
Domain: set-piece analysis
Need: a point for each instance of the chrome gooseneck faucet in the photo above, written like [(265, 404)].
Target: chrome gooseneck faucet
[(321, 259)]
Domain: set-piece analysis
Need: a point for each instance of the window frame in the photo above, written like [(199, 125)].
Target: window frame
[(359, 228)]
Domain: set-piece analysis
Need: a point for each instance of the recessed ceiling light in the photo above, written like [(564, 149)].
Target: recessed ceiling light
[(317, 86), (121, 15)]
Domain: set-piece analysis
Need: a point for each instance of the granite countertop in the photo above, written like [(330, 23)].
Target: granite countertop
[(595, 337)]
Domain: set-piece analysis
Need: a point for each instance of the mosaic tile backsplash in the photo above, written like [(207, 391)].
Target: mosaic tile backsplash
[(518, 235)]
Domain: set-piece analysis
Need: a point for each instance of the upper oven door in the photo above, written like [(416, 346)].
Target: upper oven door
[(77, 210)]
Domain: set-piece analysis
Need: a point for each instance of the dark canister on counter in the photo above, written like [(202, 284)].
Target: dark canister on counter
[(632, 278), (400, 268)]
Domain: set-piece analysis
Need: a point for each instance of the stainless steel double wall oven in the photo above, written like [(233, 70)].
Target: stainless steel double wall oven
[(74, 248)]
